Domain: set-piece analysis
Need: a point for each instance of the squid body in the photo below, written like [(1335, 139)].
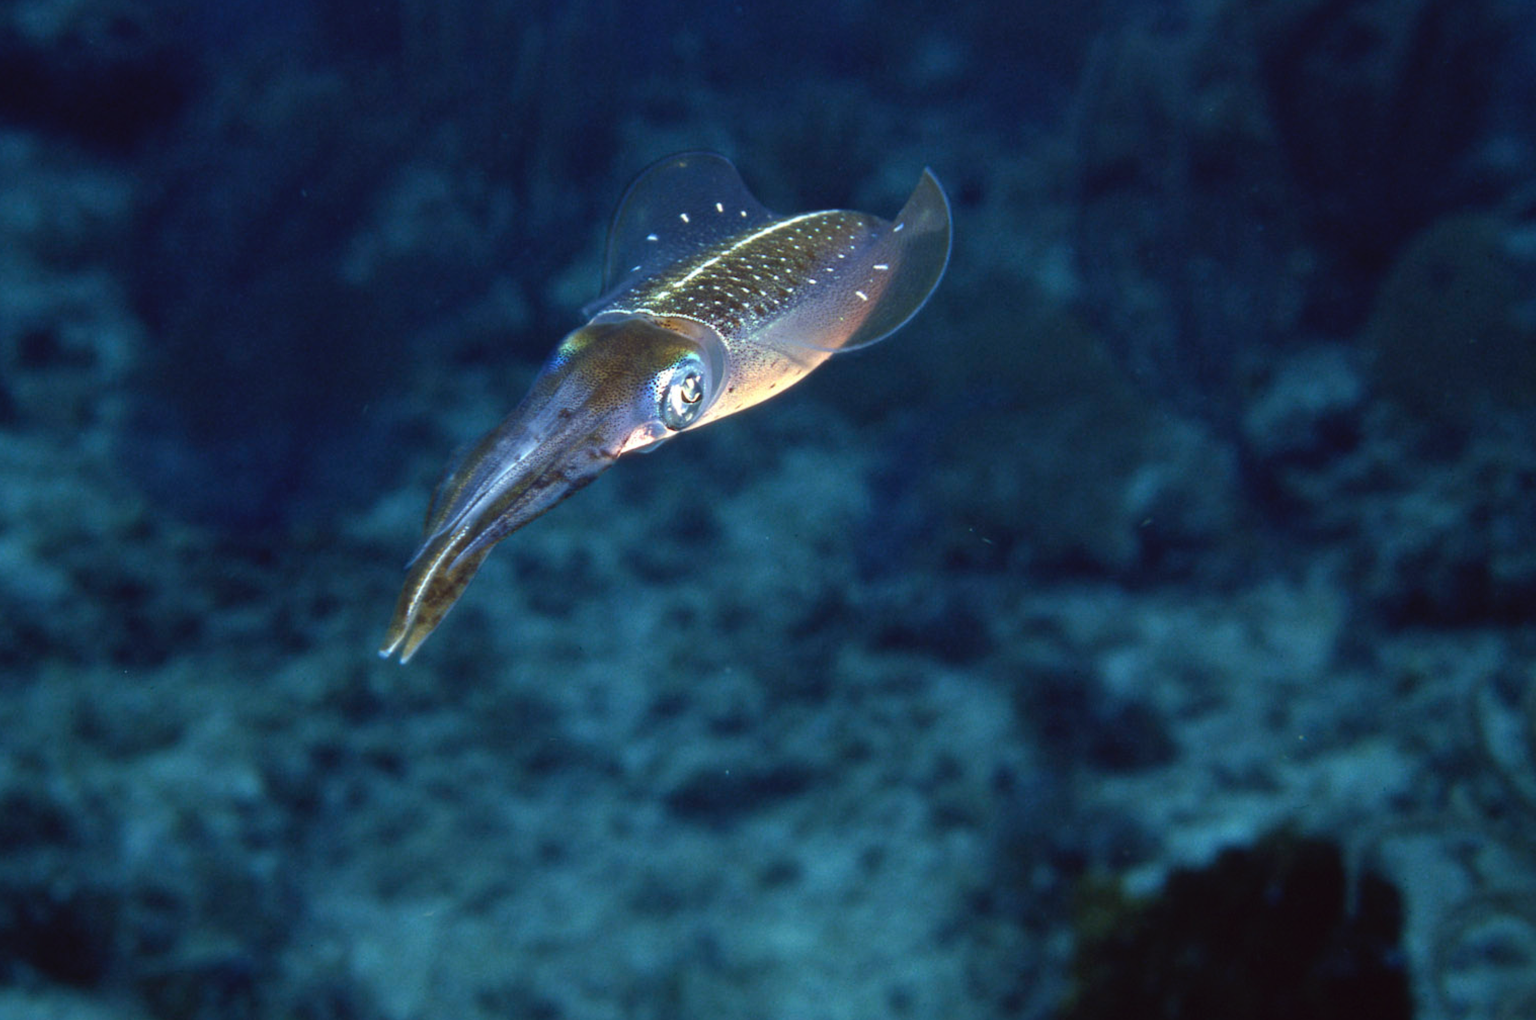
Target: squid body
[(711, 304)]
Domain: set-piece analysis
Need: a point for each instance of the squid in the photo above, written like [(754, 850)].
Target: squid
[(710, 304)]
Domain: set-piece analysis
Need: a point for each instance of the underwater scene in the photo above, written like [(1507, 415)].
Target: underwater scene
[(1102, 584)]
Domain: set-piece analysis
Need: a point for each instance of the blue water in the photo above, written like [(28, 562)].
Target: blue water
[(1187, 532)]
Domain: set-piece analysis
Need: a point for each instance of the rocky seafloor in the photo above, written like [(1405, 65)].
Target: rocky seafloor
[(1195, 514)]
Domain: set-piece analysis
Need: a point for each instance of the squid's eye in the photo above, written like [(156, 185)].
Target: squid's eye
[(682, 396)]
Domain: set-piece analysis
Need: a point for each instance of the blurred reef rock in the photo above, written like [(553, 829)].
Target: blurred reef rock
[(1250, 175)]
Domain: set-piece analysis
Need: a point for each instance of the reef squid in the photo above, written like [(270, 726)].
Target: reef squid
[(710, 304)]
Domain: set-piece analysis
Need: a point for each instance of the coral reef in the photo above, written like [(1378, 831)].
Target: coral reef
[(1447, 337), (1377, 105), (1253, 175), (1179, 516), (1057, 463), (116, 882), (1431, 519), (1475, 937), (1266, 932)]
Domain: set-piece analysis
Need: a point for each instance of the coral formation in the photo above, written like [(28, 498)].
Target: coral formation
[(1446, 338), (1059, 463), (1263, 933), (1254, 175)]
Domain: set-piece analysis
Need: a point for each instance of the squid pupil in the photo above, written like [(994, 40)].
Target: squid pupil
[(681, 403), (692, 388)]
